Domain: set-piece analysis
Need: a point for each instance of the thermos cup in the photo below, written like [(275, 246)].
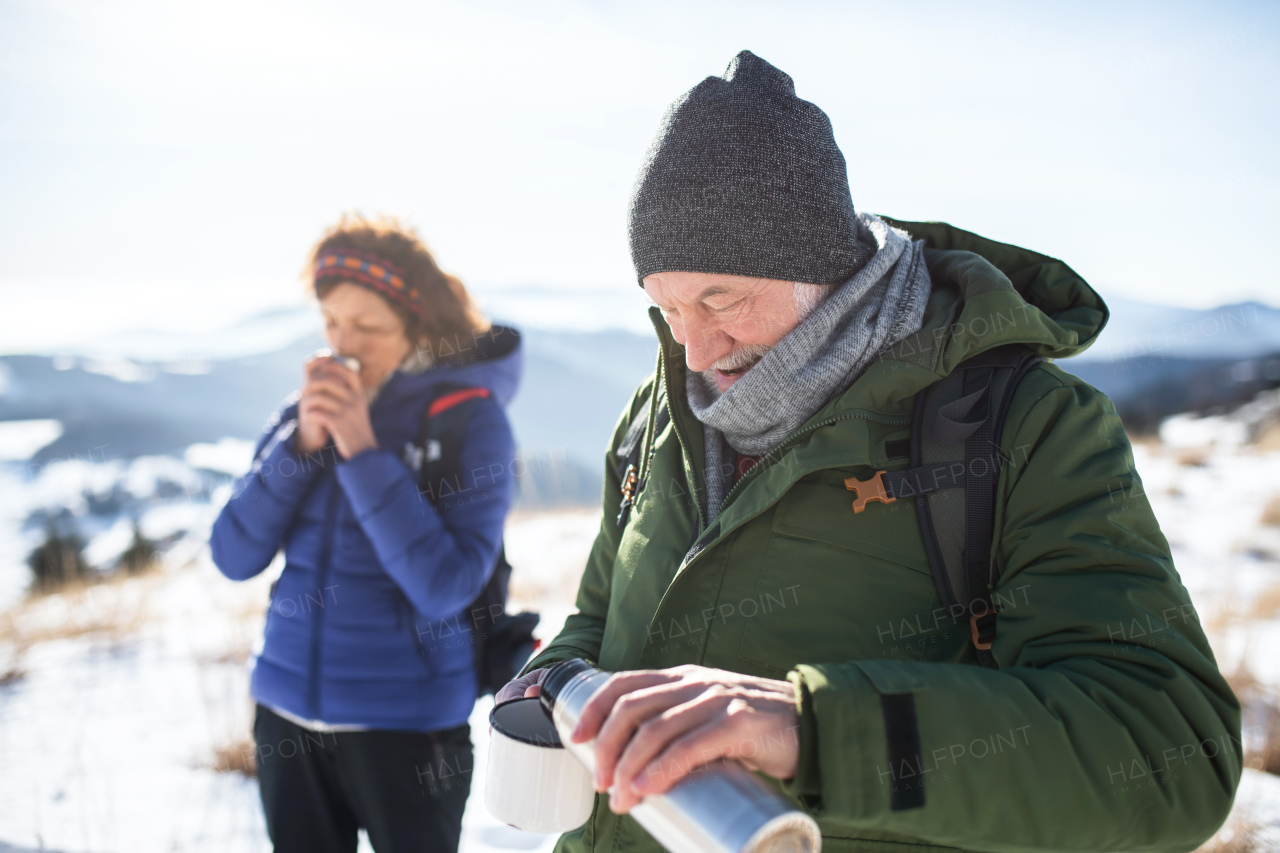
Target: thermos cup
[(533, 783), (719, 808), (349, 361)]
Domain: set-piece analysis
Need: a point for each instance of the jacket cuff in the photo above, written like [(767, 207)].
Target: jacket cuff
[(553, 655), (843, 759), (365, 478), (284, 472), (806, 785)]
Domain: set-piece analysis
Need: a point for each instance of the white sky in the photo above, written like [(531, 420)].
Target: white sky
[(167, 165)]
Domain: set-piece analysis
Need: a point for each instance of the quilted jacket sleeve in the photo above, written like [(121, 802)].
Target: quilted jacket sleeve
[(439, 555), (251, 527)]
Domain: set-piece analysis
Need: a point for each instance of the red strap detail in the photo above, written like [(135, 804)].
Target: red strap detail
[(448, 401), (742, 464)]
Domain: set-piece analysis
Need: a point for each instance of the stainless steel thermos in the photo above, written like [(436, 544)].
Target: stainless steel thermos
[(719, 808)]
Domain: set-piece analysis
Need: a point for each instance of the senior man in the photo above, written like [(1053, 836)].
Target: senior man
[(748, 611)]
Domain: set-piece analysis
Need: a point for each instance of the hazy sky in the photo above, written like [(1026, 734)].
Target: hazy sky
[(168, 164)]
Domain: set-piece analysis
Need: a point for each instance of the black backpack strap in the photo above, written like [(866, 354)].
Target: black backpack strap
[(956, 462), (444, 426), (641, 433), (501, 641)]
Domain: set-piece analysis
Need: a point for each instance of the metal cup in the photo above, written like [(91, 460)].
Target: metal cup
[(532, 782), (348, 361)]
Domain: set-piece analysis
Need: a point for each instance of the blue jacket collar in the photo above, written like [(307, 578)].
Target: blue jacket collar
[(492, 359)]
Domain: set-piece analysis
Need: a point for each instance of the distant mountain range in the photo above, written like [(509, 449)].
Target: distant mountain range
[(575, 384), (153, 394), (1138, 329)]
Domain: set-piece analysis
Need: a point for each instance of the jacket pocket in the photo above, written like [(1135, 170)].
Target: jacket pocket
[(856, 585), (820, 508)]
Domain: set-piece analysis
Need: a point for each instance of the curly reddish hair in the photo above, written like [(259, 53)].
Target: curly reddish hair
[(446, 314)]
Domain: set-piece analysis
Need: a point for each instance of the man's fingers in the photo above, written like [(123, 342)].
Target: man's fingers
[(700, 745), (628, 714), (653, 737), (602, 702)]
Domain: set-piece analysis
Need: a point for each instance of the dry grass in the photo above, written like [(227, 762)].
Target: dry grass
[(1266, 605), (1261, 707), (246, 614), (1221, 616), (1271, 512), (1239, 836), (114, 608), (111, 609), (1242, 833), (236, 755), (1243, 683), (1269, 437), (1150, 440), (1265, 755), (1192, 457)]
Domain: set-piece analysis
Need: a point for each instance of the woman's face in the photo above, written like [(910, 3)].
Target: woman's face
[(360, 323)]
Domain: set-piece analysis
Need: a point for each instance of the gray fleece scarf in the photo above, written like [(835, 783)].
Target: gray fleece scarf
[(882, 304)]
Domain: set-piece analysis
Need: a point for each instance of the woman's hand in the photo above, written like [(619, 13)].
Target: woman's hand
[(529, 684), (652, 726), (333, 403), (311, 435)]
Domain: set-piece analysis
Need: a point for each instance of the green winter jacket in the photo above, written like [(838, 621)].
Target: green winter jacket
[(1108, 726)]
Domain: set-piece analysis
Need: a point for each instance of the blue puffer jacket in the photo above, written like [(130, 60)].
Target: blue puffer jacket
[(361, 627)]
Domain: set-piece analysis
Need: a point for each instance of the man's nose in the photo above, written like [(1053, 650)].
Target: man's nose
[(704, 345)]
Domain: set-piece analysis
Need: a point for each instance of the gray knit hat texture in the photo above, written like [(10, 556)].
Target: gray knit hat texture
[(744, 178)]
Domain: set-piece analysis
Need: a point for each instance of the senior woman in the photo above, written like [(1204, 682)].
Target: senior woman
[(362, 694)]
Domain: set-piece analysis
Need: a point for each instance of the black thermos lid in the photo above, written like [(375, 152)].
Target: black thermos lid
[(558, 677)]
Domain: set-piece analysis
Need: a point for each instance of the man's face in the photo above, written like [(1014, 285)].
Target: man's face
[(726, 322)]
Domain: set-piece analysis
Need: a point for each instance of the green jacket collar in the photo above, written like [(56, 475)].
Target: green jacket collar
[(985, 294)]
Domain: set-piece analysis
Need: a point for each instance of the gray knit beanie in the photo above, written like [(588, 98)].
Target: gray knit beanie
[(744, 178)]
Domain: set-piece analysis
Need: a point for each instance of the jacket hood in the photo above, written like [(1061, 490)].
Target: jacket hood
[(987, 294), (493, 360)]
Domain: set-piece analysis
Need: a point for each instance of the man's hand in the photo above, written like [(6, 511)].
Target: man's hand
[(333, 402), (652, 726), (527, 685)]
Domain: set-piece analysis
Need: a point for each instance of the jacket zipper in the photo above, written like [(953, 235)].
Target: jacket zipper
[(892, 421), (317, 626), (777, 453), (695, 551)]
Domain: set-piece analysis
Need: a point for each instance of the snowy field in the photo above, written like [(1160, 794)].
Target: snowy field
[(118, 699)]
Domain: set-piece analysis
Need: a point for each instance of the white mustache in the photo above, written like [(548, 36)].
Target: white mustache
[(740, 358)]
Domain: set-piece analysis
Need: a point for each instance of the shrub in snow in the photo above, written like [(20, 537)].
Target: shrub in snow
[(141, 553), (60, 558)]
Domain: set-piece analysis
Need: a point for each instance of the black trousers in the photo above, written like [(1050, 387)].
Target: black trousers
[(406, 789)]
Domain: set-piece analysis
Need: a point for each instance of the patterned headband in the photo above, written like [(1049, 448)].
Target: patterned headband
[(369, 270)]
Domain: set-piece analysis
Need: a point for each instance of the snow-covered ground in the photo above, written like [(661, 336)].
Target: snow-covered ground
[(124, 693), (116, 699)]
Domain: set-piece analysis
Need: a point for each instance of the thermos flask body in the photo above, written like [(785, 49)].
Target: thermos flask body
[(719, 808)]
